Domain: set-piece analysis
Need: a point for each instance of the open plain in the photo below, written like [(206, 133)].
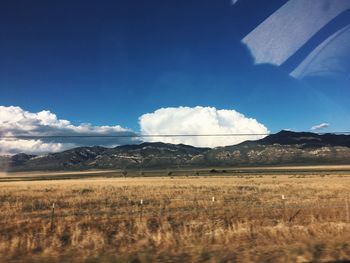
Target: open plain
[(259, 215)]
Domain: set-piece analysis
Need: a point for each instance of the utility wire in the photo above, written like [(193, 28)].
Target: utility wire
[(149, 135), (131, 135)]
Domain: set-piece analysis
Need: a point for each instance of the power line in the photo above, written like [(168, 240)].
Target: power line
[(133, 135), (149, 135)]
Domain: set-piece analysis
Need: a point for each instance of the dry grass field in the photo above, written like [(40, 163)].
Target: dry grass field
[(178, 219)]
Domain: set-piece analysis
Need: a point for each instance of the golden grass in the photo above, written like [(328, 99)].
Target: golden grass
[(102, 220)]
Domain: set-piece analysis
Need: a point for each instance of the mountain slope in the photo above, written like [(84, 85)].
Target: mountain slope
[(307, 139), (145, 155), (282, 148), (285, 147)]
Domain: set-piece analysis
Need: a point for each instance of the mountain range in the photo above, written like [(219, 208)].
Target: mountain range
[(283, 148)]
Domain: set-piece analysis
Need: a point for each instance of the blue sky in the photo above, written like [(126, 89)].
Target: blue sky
[(109, 62)]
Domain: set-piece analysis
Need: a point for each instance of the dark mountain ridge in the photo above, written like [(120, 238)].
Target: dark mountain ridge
[(285, 147), (308, 139)]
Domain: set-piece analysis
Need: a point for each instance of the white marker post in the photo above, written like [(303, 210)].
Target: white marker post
[(347, 209), (284, 207), (52, 216), (141, 209)]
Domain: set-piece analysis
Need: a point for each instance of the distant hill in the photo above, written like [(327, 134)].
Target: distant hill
[(282, 148), (307, 139), (285, 147)]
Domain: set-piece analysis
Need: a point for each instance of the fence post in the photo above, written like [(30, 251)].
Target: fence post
[(284, 207), (161, 205), (212, 207), (141, 209), (212, 220), (52, 216), (347, 209)]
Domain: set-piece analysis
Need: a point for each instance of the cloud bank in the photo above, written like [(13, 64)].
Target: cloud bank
[(200, 120), (14, 121), (320, 126)]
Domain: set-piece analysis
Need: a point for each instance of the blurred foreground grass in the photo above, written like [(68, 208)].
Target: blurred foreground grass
[(180, 219)]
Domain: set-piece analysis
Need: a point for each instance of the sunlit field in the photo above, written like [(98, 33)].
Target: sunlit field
[(220, 218)]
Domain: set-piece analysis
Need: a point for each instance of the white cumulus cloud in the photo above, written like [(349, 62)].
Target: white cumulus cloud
[(200, 120), (17, 122), (13, 146), (14, 121), (320, 126)]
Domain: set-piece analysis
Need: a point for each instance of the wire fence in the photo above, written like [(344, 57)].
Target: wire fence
[(212, 207)]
